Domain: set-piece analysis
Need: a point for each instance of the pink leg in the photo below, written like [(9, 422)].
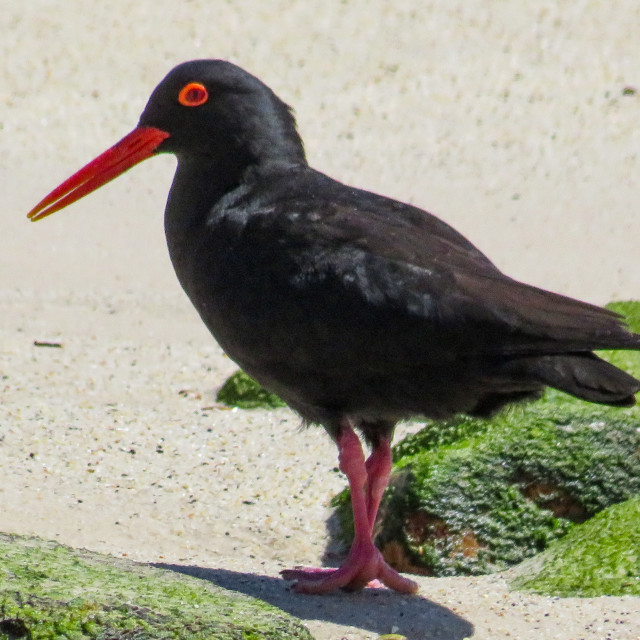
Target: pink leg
[(364, 562), (378, 471)]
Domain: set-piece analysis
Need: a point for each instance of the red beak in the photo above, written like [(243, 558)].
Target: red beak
[(132, 149)]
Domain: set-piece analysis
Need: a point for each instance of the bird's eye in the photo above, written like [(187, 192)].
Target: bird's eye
[(193, 95)]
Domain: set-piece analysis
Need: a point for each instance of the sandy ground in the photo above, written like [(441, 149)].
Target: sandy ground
[(509, 120)]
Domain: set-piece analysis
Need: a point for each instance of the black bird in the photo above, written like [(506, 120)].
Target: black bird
[(358, 310)]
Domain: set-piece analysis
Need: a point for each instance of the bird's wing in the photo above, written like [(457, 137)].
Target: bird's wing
[(527, 319), (403, 255)]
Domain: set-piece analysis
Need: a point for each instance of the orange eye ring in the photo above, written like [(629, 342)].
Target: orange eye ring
[(193, 95)]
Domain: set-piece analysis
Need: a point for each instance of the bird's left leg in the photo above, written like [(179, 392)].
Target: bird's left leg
[(378, 467)]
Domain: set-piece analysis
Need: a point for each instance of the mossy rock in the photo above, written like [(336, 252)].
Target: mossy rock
[(471, 496), (49, 591), (240, 390), (599, 557)]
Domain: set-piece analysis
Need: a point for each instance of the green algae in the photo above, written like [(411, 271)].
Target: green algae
[(488, 503), (599, 557), (626, 360), (470, 496), (630, 310), (49, 592), (439, 434), (240, 390)]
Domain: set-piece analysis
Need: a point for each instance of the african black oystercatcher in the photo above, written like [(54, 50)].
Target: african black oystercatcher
[(356, 309)]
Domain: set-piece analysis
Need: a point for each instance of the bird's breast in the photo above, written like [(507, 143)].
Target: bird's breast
[(241, 287)]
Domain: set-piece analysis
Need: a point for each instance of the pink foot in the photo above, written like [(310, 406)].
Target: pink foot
[(363, 567), (364, 564)]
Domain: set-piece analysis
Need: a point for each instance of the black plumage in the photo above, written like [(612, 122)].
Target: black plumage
[(356, 309)]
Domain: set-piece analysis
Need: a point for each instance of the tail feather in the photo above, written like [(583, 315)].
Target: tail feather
[(583, 375)]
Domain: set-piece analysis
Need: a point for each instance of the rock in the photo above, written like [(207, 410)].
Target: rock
[(599, 557), (49, 591)]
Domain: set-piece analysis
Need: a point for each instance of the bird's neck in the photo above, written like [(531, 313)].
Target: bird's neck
[(223, 163), (200, 187), (198, 184)]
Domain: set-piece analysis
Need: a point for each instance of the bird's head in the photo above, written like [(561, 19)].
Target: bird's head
[(204, 110)]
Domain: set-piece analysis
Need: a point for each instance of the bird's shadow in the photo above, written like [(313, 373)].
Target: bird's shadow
[(375, 610)]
